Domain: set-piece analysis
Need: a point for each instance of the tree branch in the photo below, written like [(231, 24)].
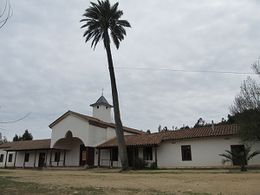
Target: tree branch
[(5, 16)]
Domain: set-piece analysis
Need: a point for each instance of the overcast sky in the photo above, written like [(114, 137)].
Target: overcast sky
[(46, 67)]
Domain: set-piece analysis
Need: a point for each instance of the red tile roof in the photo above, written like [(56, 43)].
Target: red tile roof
[(157, 138), (207, 131), (95, 122), (26, 145), (135, 140)]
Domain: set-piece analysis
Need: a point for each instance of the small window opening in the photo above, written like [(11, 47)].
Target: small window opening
[(186, 152), (10, 158), (114, 154), (1, 158)]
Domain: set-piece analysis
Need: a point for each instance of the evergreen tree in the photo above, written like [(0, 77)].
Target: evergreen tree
[(27, 135)]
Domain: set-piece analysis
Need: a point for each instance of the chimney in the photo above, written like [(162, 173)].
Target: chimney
[(212, 125)]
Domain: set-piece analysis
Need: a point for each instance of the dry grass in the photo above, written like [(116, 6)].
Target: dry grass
[(105, 181)]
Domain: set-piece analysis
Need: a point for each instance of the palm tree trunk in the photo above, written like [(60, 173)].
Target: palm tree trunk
[(119, 127)]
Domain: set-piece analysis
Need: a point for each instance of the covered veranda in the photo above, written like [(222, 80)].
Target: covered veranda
[(143, 146)]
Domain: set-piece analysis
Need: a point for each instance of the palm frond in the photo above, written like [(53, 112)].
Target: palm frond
[(253, 154), (101, 17), (227, 156), (124, 23), (226, 160), (115, 39)]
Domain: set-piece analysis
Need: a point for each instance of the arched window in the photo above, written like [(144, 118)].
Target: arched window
[(68, 134)]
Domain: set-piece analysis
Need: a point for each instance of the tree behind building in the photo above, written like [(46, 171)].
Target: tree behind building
[(26, 136)]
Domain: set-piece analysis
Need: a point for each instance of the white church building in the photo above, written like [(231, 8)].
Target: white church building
[(81, 140)]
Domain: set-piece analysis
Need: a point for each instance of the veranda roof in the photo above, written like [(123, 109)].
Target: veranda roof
[(27, 145)]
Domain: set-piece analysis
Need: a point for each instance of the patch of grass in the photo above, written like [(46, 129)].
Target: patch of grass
[(86, 190), (195, 193), (9, 186), (4, 172), (155, 192)]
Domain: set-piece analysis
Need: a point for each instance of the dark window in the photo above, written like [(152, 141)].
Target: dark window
[(186, 152), (57, 157), (26, 157), (1, 158), (114, 156), (10, 158), (148, 153), (237, 150)]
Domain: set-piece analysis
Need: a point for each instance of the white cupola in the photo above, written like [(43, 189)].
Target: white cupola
[(102, 109)]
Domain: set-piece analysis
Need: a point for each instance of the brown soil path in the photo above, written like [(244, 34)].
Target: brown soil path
[(176, 182)]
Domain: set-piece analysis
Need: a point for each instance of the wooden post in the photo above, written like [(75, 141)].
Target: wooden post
[(6, 158), (46, 158), (155, 151), (51, 158), (64, 157), (135, 151), (15, 158), (24, 159), (111, 162), (35, 154), (58, 160), (98, 157)]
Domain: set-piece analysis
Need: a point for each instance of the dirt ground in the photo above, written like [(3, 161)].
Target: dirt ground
[(144, 182)]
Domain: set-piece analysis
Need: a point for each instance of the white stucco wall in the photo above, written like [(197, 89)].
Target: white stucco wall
[(103, 113), (98, 135), (105, 157), (78, 127), (70, 160), (205, 152), (90, 135), (8, 164), (60, 162), (30, 163), (2, 164), (73, 155), (111, 133), (256, 159)]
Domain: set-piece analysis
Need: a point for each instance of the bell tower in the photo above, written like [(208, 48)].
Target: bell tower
[(102, 109)]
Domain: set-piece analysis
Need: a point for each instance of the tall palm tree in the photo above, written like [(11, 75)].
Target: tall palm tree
[(101, 19), (242, 157)]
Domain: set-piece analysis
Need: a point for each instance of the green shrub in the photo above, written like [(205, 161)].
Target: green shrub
[(153, 165), (139, 164)]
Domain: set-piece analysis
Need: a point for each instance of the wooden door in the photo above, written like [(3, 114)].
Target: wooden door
[(90, 156), (41, 162)]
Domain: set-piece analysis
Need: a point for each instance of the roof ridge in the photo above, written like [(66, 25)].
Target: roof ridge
[(101, 101), (208, 126), (87, 117), (158, 137)]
